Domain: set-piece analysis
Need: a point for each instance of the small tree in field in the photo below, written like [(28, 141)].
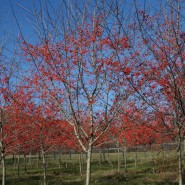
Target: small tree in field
[(76, 73), (7, 127), (163, 36), (157, 60)]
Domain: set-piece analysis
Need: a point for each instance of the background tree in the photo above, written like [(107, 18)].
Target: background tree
[(165, 45)]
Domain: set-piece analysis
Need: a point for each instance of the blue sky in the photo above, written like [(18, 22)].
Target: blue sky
[(8, 20)]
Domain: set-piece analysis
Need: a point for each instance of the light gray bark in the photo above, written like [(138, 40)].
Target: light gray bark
[(3, 165), (125, 160), (3, 168), (88, 170), (118, 150), (80, 162), (15, 161), (180, 161), (44, 167)]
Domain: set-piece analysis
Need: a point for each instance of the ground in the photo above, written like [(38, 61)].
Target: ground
[(150, 168)]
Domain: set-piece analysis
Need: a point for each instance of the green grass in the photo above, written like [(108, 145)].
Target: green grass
[(154, 169)]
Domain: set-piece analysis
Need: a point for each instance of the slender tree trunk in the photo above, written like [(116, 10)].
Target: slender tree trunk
[(18, 166), (100, 157), (3, 168), (54, 155), (70, 156), (183, 154), (25, 164), (66, 159), (86, 155), (125, 160), (59, 161), (136, 158), (107, 152), (30, 159), (180, 161), (88, 170), (38, 158), (153, 161), (164, 159), (80, 162), (184, 147), (15, 160), (145, 153), (118, 150), (44, 167), (3, 164), (104, 158)]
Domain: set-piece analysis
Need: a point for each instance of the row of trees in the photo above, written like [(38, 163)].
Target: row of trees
[(24, 134), (97, 73)]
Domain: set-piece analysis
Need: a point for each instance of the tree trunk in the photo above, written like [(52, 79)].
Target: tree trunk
[(59, 161), (145, 153), (100, 157), (38, 158), (15, 160), (18, 166), (86, 155), (184, 147), (66, 159), (25, 165), (125, 160), (30, 159), (153, 161), (70, 156), (136, 158), (80, 162), (3, 168), (88, 170), (107, 152), (44, 166), (54, 155), (164, 159), (118, 150), (180, 161), (104, 158)]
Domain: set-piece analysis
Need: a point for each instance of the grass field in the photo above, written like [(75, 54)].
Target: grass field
[(152, 168)]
